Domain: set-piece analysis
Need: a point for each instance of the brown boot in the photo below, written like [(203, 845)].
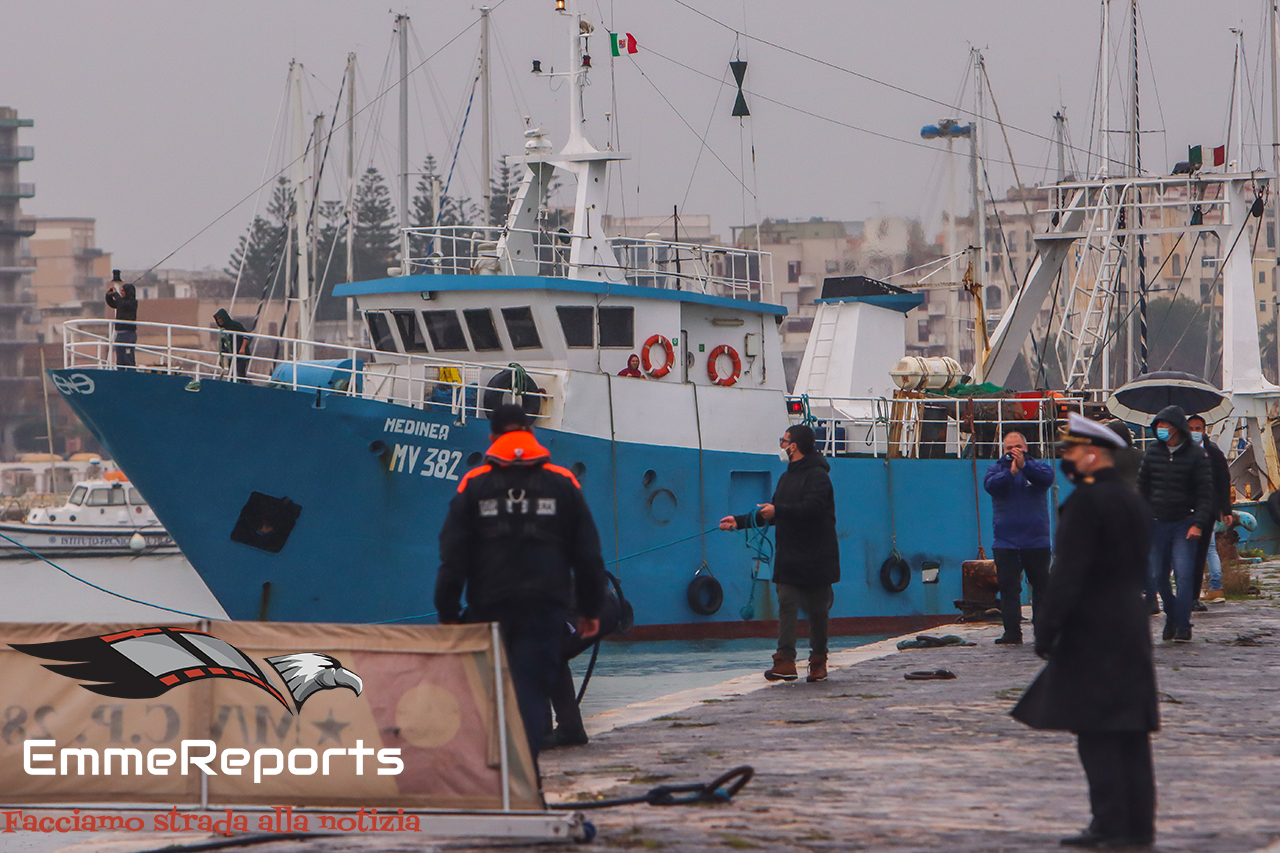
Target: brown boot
[(817, 667), (783, 669)]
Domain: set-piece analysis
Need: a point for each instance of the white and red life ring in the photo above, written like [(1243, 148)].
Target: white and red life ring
[(714, 374), (657, 372)]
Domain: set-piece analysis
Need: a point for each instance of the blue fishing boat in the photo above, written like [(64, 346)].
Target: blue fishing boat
[(313, 487)]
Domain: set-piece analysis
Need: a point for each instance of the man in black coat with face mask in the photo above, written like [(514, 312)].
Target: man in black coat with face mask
[(807, 559), (1100, 678)]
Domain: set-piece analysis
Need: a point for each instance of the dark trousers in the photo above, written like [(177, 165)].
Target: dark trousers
[(533, 635), (125, 341), (1122, 784), (815, 601), (564, 702), (1011, 565)]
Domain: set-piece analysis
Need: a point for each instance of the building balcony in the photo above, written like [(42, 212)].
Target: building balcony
[(88, 254), (23, 190), (22, 227), (17, 122), (16, 153)]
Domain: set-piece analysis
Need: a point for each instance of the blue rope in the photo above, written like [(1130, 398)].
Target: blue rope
[(448, 180), (107, 591)]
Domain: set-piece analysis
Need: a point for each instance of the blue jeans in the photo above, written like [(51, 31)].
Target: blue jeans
[(1215, 564), (1172, 553)]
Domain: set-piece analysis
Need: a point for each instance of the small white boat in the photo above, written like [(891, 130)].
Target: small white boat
[(100, 518)]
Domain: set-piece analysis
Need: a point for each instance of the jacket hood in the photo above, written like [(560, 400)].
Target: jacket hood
[(813, 459), (221, 314), (1175, 416), (517, 447), (130, 292)]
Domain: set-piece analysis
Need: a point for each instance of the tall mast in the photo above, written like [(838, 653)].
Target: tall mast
[(351, 191), (1104, 91), (300, 206), (975, 170), (1275, 159), (485, 156), (1138, 269), (1238, 98), (402, 29)]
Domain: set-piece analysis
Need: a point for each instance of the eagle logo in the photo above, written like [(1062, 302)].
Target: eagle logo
[(143, 663)]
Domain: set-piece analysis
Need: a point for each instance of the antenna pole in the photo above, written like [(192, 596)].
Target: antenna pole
[(975, 169), (1275, 163), (402, 29), (1104, 112), (351, 191), (485, 155), (301, 214)]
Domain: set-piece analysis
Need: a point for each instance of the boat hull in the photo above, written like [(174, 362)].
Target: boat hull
[(372, 492), (62, 540)]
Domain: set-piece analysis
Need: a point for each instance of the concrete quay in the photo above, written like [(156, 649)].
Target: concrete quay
[(870, 761)]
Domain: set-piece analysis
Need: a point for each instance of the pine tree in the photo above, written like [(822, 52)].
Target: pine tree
[(502, 191), (261, 248), (376, 237)]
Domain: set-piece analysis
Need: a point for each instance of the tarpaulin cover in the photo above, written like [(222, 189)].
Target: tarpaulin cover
[(428, 691)]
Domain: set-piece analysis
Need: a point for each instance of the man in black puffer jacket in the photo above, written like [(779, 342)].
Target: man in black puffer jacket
[(807, 558), (1177, 482)]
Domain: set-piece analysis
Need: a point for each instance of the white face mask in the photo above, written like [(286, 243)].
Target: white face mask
[(783, 454)]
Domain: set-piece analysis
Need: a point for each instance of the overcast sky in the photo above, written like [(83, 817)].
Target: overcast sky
[(156, 118)]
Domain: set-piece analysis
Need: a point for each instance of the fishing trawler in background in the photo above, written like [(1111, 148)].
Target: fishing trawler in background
[(325, 476)]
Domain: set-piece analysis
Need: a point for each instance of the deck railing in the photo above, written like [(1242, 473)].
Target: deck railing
[(666, 264), (928, 427), (464, 389)]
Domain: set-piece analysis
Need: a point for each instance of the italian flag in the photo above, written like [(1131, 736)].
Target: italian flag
[(623, 43), (1207, 155)]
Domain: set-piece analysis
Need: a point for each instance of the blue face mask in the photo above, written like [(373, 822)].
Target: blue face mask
[(1197, 437), (1163, 433)]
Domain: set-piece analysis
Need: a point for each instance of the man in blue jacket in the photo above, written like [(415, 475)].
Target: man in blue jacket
[(1018, 486)]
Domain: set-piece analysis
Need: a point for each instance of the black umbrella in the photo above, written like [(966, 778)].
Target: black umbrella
[(1140, 400)]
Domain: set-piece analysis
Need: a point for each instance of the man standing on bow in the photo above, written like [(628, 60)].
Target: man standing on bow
[(807, 559), (1100, 680), (1177, 481), (1019, 486)]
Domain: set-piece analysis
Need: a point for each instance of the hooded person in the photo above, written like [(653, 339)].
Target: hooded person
[(1176, 479), (519, 540), (806, 561), (124, 299), (233, 338), (633, 367), (1099, 681)]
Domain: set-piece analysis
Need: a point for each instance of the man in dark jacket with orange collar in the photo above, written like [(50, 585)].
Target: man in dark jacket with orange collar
[(520, 540), (807, 558)]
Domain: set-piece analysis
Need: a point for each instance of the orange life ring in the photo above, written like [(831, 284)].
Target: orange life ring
[(724, 349), (659, 372)]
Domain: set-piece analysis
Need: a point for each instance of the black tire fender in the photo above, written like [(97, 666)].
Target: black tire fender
[(1273, 506), (705, 595), (895, 566)]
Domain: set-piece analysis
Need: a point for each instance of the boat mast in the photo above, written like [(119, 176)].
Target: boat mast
[(402, 29), (485, 155), (1275, 162), (979, 210), (300, 209), (351, 191), (1136, 256)]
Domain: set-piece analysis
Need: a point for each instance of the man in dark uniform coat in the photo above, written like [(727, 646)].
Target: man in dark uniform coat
[(520, 541), (1100, 678)]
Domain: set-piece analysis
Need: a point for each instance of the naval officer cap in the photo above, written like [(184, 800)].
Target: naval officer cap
[(1081, 430)]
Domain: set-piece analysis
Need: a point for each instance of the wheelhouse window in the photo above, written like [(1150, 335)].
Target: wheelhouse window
[(410, 331), (521, 327), (445, 331), (484, 334), (380, 331), (77, 495), (618, 327), (136, 498), (106, 497), (577, 322)]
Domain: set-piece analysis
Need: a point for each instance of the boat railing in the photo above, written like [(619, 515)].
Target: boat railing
[(464, 389), (934, 427), (646, 262)]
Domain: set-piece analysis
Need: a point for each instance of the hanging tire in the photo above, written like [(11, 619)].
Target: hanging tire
[(895, 574), (1273, 506), (705, 595), (504, 383)]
